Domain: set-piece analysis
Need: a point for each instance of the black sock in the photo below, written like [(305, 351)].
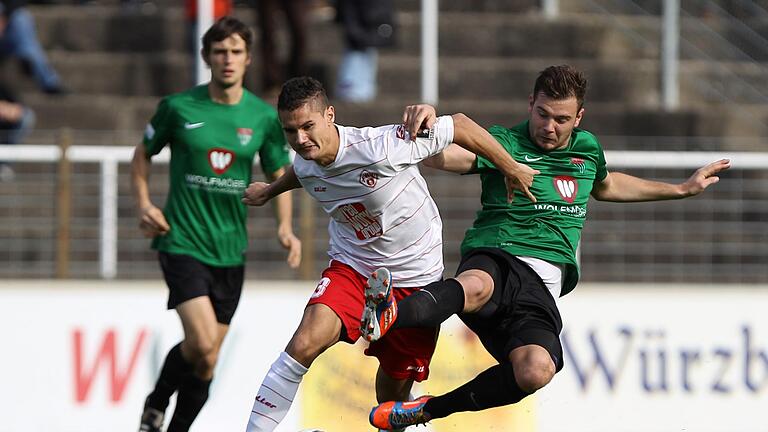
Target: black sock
[(494, 387), (193, 394), (175, 370), (431, 305)]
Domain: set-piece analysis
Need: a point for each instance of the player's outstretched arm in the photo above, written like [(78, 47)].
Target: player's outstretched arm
[(283, 206), (258, 193), (454, 159), (620, 187), (151, 219), (474, 138)]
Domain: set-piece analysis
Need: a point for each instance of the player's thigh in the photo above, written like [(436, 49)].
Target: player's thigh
[(187, 278), (318, 330), (525, 314), (342, 290), (225, 291), (202, 332)]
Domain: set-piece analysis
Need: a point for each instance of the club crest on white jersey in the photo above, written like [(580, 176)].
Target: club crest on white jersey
[(368, 178)]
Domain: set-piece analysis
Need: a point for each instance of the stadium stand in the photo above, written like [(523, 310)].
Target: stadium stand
[(118, 61)]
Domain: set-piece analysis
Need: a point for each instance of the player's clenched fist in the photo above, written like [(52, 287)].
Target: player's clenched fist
[(257, 194), (418, 117), (152, 222)]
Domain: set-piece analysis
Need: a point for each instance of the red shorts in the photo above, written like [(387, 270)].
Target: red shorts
[(402, 353)]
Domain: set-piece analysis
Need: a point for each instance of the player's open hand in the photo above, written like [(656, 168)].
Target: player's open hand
[(418, 117), (152, 222), (257, 194), (292, 243), (522, 180), (704, 177)]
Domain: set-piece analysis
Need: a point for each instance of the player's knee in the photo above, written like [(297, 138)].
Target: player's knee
[(304, 347), (199, 349), (478, 288), (534, 373), (208, 361)]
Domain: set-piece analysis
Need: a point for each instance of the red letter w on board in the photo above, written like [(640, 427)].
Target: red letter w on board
[(106, 354)]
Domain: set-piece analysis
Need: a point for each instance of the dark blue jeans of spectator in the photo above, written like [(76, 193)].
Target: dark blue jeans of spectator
[(20, 40), (14, 133)]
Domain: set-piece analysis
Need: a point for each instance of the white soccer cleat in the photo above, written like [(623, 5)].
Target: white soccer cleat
[(380, 310)]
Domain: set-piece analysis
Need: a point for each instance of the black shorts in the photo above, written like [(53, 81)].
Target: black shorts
[(188, 278), (521, 310)]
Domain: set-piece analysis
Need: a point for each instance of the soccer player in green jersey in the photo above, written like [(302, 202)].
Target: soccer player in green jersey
[(214, 132), (520, 256)]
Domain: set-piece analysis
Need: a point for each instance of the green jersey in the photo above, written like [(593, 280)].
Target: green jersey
[(549, 229), (213, 146)]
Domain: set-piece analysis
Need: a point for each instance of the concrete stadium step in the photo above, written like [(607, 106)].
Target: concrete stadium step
[(517, 6), (575, 35), (100, 29), (634, 83), (123, 127), (739, 9), (625, 7), (113, 73), (109, 28), (91, 112)]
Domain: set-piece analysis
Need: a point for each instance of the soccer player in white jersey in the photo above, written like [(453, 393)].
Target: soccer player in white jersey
[(368, 182)]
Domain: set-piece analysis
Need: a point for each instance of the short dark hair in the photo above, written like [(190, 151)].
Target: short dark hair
[(561, 82), (299, 91), (223, 28)]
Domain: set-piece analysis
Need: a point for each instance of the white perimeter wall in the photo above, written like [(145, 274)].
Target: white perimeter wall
[(81, 357)]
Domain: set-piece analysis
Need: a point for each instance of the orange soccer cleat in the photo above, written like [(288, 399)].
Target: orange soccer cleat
[(399, 415)]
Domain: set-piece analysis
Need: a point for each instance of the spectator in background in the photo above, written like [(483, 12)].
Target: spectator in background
[(273, 72), (221, 8), (368, 25), (16, 120), (18, 38)]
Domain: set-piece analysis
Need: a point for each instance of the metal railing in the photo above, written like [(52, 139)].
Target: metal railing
[(108, 159)]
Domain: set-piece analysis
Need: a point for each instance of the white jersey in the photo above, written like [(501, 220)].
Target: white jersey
[(382, 214)]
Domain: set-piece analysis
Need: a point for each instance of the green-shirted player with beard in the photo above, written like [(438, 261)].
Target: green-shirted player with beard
[(214, 132), (519, 256)]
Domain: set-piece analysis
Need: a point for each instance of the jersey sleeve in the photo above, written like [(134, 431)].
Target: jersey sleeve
[(159, 129), (602, 168), (273, 155), (403, 152), (506, 139)]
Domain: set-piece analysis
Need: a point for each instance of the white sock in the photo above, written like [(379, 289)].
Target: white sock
[(276, 394)]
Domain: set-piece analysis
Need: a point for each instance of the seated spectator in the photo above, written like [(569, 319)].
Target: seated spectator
[(368, 25), (16, 120), (19, 39), (273, 71)]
